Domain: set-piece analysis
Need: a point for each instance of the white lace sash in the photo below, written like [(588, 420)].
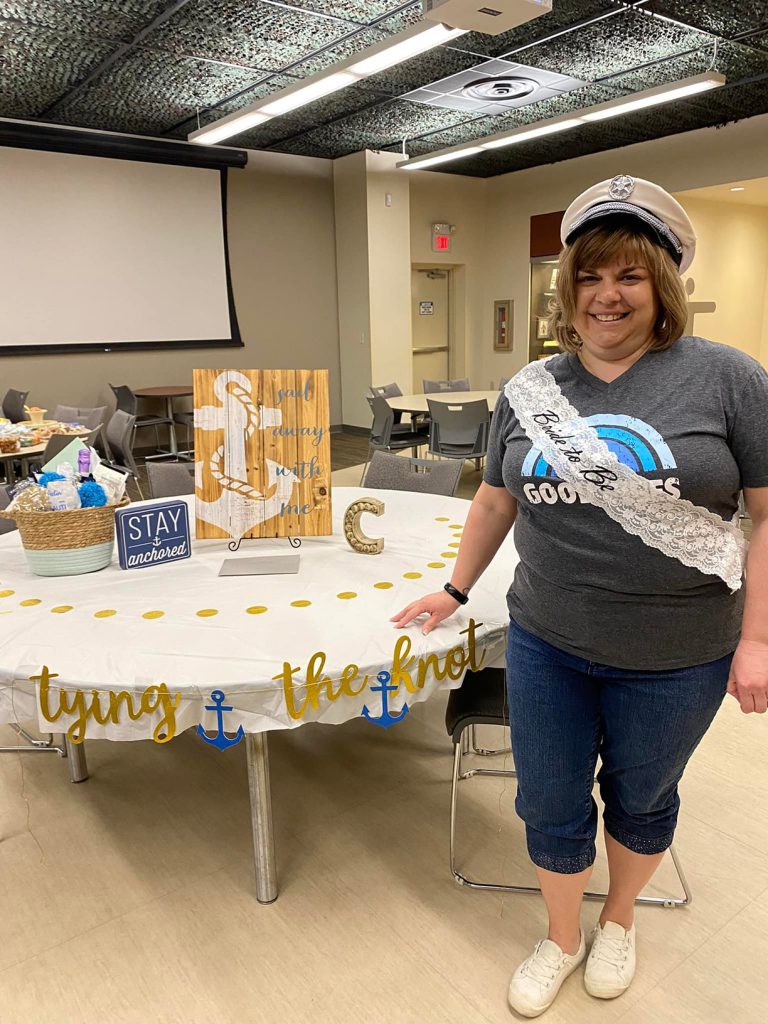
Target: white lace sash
[(674, 526)]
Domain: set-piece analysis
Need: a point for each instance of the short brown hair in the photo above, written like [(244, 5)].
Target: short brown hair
[(602, 245)]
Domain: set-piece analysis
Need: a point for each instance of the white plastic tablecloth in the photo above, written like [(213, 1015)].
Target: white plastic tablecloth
[(184, 626)]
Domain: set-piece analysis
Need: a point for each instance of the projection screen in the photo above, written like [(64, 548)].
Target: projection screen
[(105, 252)]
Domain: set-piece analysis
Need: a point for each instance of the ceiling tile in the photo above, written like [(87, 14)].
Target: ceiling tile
[(36, 68), (245, 32), (161, 86), (110, 19)]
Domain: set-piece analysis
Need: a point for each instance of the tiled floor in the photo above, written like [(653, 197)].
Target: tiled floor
[(130, 899)]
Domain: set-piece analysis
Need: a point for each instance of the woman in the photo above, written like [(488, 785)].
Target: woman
[(628, 619)]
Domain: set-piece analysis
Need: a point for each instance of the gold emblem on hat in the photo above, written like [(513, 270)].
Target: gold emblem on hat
[(621, 187)]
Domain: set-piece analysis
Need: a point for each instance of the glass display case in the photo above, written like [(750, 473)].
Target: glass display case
[(541, 342)]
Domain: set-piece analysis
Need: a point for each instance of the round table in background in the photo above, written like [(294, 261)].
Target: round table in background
[(184, 625), (418, 403)]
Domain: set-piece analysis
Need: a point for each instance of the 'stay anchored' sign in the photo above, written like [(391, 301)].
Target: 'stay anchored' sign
[(152, 534)]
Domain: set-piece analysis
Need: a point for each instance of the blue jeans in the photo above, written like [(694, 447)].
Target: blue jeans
[(564, 711)]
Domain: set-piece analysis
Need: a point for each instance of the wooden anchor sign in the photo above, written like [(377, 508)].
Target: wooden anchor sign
[(262, 453)]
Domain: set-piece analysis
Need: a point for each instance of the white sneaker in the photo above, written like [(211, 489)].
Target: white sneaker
[(537, 980), (611, 964)]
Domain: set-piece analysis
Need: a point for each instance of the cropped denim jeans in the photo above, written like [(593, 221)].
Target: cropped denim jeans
[(564, 711)]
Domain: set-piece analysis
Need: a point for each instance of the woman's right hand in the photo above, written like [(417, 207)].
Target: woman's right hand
[(437, 606)]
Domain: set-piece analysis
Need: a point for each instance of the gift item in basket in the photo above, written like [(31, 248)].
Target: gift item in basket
[(67, 543)]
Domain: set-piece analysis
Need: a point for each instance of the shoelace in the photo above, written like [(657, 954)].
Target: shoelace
[(542, 968), (611, 951)]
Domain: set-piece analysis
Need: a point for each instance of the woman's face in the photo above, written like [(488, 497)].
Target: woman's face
[(616, 309)]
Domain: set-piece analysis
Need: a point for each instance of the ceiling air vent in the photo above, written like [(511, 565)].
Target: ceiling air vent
[(500, 16)]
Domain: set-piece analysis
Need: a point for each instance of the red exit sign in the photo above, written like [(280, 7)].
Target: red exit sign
[(441, 237)]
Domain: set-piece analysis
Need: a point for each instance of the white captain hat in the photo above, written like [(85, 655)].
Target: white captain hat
[(625, 196)]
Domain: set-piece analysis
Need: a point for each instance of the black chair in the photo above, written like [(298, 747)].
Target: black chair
[(120, 433), (186, 420), (398, 473), (482, 700), (382, 436), (167, 479), (459, 430), (431, 387), (13, 405), (129, 403)]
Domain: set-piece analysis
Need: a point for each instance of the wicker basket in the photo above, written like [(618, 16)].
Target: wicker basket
[(67, 543)]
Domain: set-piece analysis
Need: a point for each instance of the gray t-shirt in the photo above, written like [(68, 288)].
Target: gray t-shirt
[(695, 419)]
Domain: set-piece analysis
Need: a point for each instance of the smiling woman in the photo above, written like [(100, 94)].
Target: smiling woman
[(620, 462), (617, 274)]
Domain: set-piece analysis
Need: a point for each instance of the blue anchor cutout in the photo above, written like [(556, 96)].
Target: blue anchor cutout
[(220, 740), (385, 719)]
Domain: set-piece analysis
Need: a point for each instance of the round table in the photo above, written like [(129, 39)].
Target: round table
[(167, 392), (284, 649), (418, 403)]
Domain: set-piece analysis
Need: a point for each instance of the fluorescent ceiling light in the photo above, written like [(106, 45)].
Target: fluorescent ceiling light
[(411, 42), (662, 94), (309, 93), (215, 133), (738, 188), (392, 55), (524, 134), (613, 108), (443, 158)]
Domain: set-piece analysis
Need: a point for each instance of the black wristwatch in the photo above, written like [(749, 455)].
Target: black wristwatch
[(456, 594)]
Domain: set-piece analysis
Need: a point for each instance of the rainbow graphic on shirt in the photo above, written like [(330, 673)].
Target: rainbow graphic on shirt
[(636, 444)]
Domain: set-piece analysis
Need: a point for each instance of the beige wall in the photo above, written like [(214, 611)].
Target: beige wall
[(282, 254), (493, 219), (351, 197), (389, 270), (731, 270)]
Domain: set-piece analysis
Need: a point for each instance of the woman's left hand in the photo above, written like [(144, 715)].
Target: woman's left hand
[(748, 678)]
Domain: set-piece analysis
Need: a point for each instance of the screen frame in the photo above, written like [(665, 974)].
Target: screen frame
[(22, 135)]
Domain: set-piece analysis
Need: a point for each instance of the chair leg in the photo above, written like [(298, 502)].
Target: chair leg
[(461, 879), (365, 465)]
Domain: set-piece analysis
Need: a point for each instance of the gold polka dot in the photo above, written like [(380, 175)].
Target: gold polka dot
[(153, 615), (456, 526), (383, 586), (61, 608), (435, 565), (206, 613), (441, 519), (7, 593), (458, 535), (105, 614), (411, 575), (257, 609), (300, 604), (454, 544), (30, 601), (447, 554), (346, 595)]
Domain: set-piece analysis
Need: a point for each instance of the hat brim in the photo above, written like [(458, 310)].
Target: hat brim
[(602, 211)]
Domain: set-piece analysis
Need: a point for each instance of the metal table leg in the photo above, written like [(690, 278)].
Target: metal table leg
[(261, 817), (78, 768), (173, 445)]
